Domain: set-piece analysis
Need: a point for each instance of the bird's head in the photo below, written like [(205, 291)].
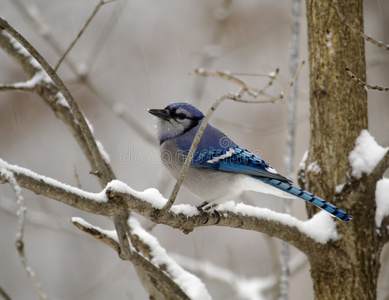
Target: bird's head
[(176, 119)]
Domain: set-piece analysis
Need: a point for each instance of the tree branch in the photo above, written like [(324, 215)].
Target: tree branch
[(117, 198), (105, 174), (357, 30), (84, 135), (365, 84), (41, 26), (384, 232), (142, 256), (380, 168), (19, 243), (4, 294), (47, 90)]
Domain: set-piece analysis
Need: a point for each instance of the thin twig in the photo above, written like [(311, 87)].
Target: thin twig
[(15, 88), (365, 84), (356, 30), (37, 218), (210, 51), (231, 77), (79, 185), (104, 34), (193, 147), (4, 294), (98, 6), (19, 243)]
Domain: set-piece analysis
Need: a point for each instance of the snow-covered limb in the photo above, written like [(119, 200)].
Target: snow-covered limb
[(366, 155), (119, 198), (190, 284), (369, 158), (257, 288), (147, 250), (244, 288), (382, 200)]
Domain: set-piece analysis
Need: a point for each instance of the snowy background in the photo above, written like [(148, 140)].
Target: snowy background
[(139, 54)]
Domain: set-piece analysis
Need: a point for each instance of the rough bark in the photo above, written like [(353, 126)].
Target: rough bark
[(349, 268)]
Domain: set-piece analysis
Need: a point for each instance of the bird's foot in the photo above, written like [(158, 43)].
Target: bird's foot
[(205, 206), (202, 212)]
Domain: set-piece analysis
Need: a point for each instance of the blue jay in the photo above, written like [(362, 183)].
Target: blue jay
[(221, 170)]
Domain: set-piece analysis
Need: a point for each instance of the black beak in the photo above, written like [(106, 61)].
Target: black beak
[(160, 113)]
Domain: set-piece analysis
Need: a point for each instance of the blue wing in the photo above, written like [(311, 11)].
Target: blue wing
[(239, 160)]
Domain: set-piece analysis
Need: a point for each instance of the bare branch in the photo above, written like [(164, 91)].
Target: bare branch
[(98, 6), (211, 50), (122, 230), (356, 30), (103, 36), (366, 85), (231, 77), (38, 218), (19, 243), (4, 294), (254, 92)]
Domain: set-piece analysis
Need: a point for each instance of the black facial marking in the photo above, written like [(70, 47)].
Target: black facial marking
[(178, 116)]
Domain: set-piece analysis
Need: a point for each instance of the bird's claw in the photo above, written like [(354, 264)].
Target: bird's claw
[(202, 212), (206, 214)]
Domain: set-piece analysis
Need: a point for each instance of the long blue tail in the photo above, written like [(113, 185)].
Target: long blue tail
[(307, 196)]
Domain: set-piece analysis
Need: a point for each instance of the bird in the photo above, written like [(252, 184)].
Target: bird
[(221, 170)]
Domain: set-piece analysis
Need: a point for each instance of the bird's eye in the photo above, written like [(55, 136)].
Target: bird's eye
[(180, 116)]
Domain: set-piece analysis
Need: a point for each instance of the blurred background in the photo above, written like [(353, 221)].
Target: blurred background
[(137, 55)]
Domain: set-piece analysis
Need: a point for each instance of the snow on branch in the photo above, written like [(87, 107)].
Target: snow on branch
[(244, 288), (254, 288), (190, 284), (382, 201), (366, 155), (118, 198), (148, 247)]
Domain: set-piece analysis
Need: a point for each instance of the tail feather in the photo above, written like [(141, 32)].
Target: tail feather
[(309, 197)]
